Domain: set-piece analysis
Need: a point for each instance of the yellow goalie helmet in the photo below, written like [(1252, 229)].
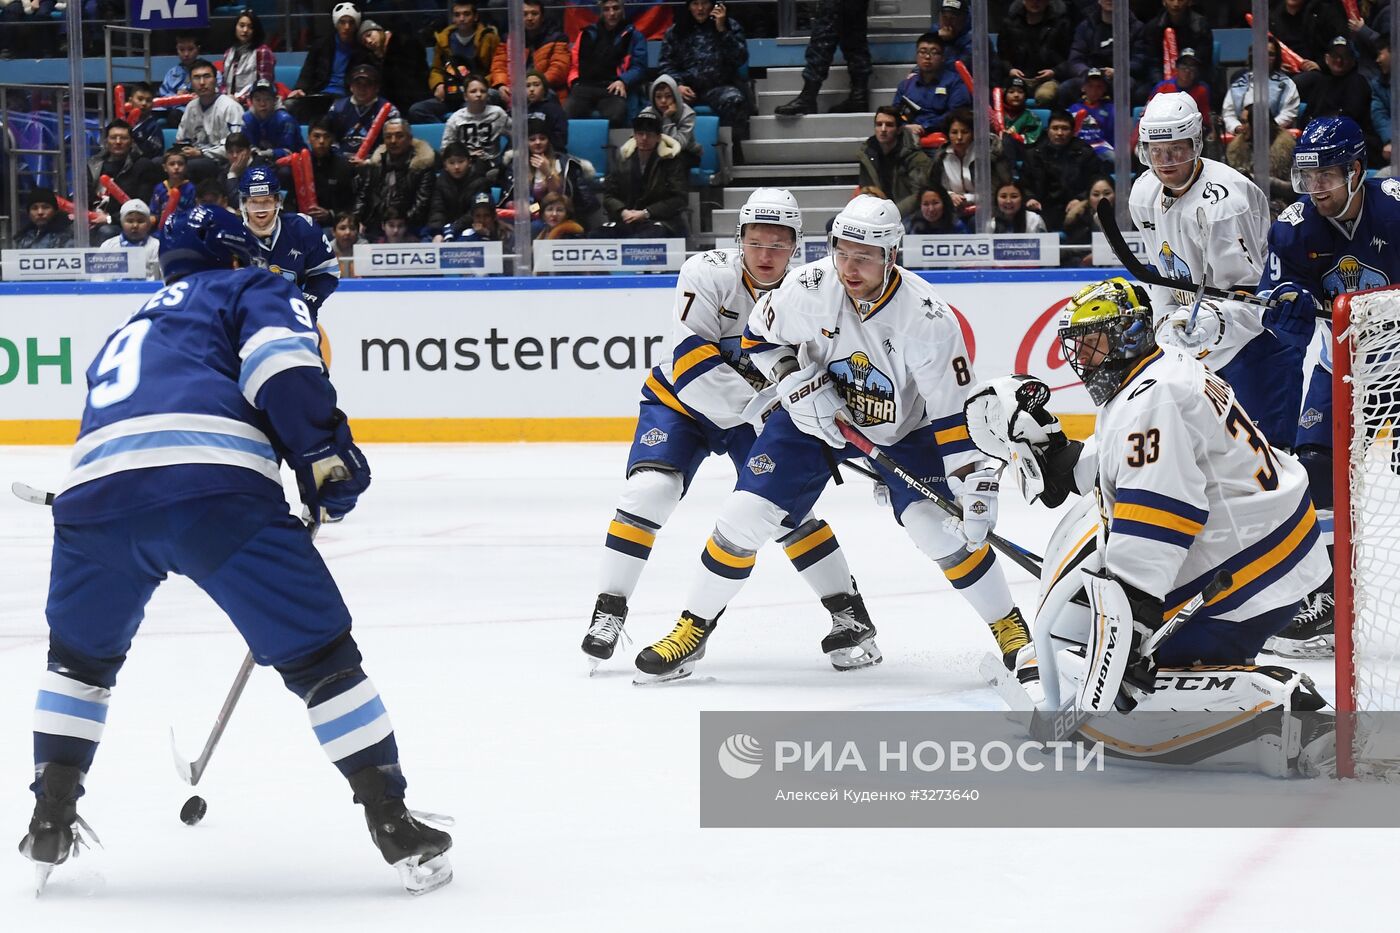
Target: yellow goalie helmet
[(1104, 328)]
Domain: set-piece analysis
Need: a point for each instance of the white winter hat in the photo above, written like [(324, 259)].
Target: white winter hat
[(135, 206), (343, 10)]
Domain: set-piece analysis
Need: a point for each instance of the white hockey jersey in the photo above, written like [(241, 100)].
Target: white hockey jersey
[(1189, 487), (1232, 252), (709, 375), (899, 362)]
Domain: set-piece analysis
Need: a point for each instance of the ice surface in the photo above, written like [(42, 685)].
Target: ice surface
[(470, 572)]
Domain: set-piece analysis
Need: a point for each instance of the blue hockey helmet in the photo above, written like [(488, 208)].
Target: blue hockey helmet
[(205, 238), (1326, 141), (258, 180)]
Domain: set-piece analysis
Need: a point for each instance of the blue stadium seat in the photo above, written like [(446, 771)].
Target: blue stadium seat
[(707, 135), (431, 133), (1042, 114), (170, 134), (286, 74), (588, 139)]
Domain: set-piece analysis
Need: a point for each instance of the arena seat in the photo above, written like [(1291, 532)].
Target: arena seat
[(588, 139), (431, 133)]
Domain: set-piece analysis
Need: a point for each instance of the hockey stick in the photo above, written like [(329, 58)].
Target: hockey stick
[(1019, 556), (1149, 276), (29, 494), (1200, 289)]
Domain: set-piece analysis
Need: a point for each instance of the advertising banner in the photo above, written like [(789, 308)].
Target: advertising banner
[(169, 14), (981, 250), (609, 255), (378, 259), (49, 265), (1103, 255)]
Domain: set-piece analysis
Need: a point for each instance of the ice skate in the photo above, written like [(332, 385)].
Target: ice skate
[(1311, 633), (851, 642), (674, 657), (1017, 653), (55, 829), (609, 615), (417, 851)]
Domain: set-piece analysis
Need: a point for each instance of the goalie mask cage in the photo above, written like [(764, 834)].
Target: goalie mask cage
[(1366, 477)]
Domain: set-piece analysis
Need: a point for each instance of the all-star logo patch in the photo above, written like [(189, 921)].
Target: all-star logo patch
[(653, 437), (978, 508), (761, 464), (1310, 419), (812, 278)]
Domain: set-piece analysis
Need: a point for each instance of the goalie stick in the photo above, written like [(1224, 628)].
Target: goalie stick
[(1149, 276)]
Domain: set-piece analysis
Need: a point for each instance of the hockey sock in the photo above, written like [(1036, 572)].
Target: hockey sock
[(648, 500), (346, 713), (976, 576), (817, 556), (70, 710), (746, 521)]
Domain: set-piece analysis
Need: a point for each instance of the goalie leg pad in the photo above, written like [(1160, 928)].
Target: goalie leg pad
[(1110, 645)]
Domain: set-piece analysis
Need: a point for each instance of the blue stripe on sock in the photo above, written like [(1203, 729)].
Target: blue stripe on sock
[(371, 710), (71, 706)]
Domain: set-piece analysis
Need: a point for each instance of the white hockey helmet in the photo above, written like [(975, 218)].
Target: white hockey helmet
[(771, 206), (868, 219), (1167, 118)]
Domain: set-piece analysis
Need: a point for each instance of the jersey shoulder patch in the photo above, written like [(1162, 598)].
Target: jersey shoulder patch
[(1391, 186), (1292, 214)]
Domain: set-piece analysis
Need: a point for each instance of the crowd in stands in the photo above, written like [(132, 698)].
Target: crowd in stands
[(374, 74)]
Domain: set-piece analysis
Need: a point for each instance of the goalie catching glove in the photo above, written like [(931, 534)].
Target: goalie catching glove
[(332, 475), (1007, 419)]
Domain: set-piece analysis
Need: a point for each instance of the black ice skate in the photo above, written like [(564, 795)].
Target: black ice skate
[(54, 829), (1311, 633), (1017, 652), (609, 614), (674, 656), (418, 851), (851, 642)]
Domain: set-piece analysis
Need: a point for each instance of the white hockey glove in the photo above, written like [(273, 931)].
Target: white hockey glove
[(977, 497), (763, 404), (811, 400), (1199, 339), (1007, 419)]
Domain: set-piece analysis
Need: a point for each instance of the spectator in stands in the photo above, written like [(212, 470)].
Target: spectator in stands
[(932, 91), (394, 228), (486, 224), (1033, 41), (677, 118), (609, 60), (136, 234), (545, 47), (48, 227), (706, 52), (249, 59), (1306, 26), (464, 48), (324, 72), (1283, 94), (1058, 171), (1012, 215), (400, 175), (479, 126), (550, 172), (271, 131), (557, 219), (1380, 103), (1239, 155), (835, 22), (345, 234), (177, 79), (540, 100), (955, 29), (403, 68), (645, 196), (147, 129), (1082, 219), (331, 172), (239, 149), (211, 193), (1093, 115), (653, 19), (454, 190), (129, 171), (1018, 119), (208, 120), (1192, 32), (37, 37), (1092, 47), (1341, 89), (354, 114), (935, 215), (1374, 36), (892, 161), (953, 168), (1186, 80), (176, 181)]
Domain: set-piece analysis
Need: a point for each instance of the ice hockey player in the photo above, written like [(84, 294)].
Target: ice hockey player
[(706, 402), (1230, 336), (1339, 238), (855, 337), (191, 404), (1191, 499), (289, 245)]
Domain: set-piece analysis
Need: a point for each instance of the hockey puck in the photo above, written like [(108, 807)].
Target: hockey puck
[(193, 811)]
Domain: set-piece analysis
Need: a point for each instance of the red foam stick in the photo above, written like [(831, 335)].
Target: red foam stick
[(1289, 59), (174, 100), (1168, 52), (94, 217), (119, 99), (965, 75), (170, 207), (303, 180), (287, 159), (114, 189), (372, 137), (998, 112), (1353, 11)]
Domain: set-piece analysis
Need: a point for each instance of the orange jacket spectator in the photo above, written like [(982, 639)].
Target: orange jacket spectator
[(549, 51)]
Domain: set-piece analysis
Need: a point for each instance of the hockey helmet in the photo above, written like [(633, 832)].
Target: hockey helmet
[(868, 219), (774, 206), (1103, 329), (260, 181), (1327, 142), (1166, 119), (202, 239)]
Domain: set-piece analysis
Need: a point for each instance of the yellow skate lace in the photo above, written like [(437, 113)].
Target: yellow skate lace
[(681, 641), (1010, 633)]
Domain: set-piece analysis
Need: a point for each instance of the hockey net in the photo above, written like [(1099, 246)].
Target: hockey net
[(1366, 463)]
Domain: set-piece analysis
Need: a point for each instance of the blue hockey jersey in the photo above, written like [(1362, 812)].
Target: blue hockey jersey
[(1315, 252), (198, 394), (300, 252), (279, 133)]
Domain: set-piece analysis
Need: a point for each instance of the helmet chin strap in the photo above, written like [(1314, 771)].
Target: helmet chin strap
[(1351, 192)]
